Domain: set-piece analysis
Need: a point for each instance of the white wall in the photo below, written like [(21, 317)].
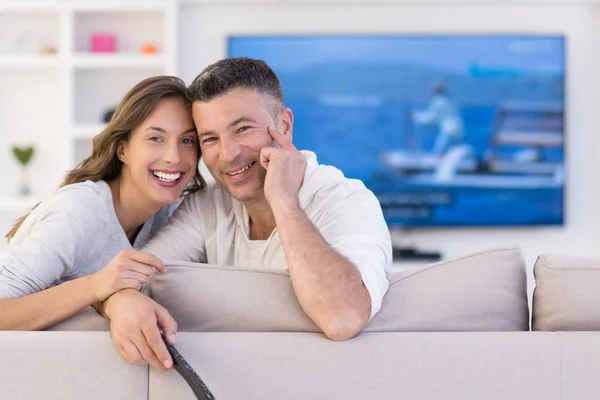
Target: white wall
[(26, 120), (33, 121), (204, 28)]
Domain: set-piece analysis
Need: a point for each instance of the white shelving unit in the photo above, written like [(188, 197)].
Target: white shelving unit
[(74, 87), (31, 106), (103, 61), (29, 61), (97, 81)]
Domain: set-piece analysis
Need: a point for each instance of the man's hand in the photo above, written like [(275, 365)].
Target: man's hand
[(135, 323), (285, 167)]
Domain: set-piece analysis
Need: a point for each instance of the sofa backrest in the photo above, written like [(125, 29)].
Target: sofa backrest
[(567, 293), (87, 319), (485, 291), (401, 365), (67, 365)]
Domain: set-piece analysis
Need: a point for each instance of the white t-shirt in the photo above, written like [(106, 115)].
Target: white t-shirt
[(212, 227), (73, 233)]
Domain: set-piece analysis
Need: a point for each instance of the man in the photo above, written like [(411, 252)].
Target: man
[(272, 207), (443, 113)]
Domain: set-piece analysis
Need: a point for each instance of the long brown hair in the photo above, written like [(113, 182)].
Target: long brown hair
[(136, 106)]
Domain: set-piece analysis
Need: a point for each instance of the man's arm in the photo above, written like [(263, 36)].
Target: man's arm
[(338, 271), (181, 239), (329, 287)]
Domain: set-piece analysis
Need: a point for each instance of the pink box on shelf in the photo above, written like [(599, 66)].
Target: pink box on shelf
[(104, 43)]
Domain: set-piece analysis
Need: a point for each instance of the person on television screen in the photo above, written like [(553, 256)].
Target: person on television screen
[(272, 206), (442, 113)]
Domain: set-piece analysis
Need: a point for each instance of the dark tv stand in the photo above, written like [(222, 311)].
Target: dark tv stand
[(401, 254)]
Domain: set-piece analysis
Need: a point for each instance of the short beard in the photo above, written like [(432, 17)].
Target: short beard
[(261, 185)]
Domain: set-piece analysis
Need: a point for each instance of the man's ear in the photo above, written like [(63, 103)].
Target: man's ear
[(287, 122)]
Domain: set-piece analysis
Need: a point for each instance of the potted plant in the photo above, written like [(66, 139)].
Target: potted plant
[(23, 156)]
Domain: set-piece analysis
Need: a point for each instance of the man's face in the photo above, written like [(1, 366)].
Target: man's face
[(232, 130)]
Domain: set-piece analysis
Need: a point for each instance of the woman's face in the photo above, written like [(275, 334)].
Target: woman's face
[(161, 156)]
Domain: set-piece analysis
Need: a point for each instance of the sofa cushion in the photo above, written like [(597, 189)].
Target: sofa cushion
[(87, 319), (209, 298), (485, 291), (566, 296)]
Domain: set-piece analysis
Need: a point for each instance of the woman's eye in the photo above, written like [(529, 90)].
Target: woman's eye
[(188, 141), (156, 139)]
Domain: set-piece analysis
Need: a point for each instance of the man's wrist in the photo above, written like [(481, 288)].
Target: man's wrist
[(283, 206)]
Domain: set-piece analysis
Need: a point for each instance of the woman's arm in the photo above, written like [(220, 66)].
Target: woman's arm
[(58, 236), (129, 269), (43, 309)]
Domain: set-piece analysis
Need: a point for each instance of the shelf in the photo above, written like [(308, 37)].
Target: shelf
[(243, 2), (28, 61), (30, 6), (87, 131), (100, 61), (17, 204), (77, 86), (119, 6)]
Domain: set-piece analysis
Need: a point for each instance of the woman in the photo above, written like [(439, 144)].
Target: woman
[(115, 200)]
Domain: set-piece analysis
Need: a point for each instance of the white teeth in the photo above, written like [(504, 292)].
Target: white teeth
[(166, 177), (240, 171)]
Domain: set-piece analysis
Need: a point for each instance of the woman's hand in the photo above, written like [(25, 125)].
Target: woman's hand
[(135, 325), (129, 269)]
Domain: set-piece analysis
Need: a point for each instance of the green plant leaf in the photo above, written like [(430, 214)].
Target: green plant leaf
[(23, 154)]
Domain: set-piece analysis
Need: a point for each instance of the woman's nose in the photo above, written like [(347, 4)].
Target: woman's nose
[(171, 154)]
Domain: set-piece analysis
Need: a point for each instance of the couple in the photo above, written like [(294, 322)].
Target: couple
[(272, 207)]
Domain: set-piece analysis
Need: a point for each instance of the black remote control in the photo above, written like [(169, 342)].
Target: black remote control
[(187, 372)]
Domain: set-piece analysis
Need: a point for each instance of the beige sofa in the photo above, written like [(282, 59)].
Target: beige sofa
[(452, 330)]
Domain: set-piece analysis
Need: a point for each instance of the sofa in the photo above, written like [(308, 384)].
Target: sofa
[(457, 329)]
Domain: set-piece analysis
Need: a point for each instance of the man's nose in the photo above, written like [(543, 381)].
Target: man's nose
[(229, 150)]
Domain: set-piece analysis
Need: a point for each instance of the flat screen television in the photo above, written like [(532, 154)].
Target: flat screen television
[(446, 130)]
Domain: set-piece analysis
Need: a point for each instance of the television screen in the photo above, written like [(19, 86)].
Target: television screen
[(448, 130)]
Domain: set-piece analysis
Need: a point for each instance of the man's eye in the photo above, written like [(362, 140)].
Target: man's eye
[(208, 140), (243, 128)]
